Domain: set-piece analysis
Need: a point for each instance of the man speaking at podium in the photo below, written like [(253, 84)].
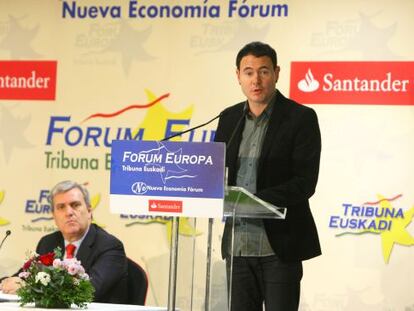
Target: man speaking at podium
[(273, 151), (101, 254)]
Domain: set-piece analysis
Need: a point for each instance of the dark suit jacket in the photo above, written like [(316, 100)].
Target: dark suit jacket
[(287, 172), (103, 257)]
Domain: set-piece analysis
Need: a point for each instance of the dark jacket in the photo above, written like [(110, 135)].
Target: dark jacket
[(287, 172), (103, 257)]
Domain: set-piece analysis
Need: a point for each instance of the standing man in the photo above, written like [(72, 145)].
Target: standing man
[(273, 151), (100, 253)]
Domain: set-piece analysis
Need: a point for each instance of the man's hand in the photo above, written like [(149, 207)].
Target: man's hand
[(11, 285)]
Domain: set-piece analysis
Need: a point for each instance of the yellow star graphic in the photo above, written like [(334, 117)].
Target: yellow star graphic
[(3, 221), (95, 201), (155, 121), (397, 233)]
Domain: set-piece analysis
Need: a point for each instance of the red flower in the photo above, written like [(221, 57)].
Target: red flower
[(47, 259), (27, 264)]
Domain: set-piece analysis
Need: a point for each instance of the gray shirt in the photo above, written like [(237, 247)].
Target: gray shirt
[(250, 238)]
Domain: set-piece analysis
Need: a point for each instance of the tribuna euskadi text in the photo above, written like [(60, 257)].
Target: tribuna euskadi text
[(364, 85), (365, 218)]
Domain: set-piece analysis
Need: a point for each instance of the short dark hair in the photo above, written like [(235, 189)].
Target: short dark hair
[(257, 49), (65, 186)]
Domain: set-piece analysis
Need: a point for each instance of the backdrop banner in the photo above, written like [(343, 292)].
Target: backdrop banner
[(79, 77)]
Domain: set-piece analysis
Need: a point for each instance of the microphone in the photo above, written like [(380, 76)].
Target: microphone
[(192, 128), (232, 136), (236, 128), (8, 232)]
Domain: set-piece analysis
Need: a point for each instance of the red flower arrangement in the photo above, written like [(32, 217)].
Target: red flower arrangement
[(47, 259), (50, 282)]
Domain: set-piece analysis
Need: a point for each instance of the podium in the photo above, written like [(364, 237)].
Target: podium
[(238, 203), (181, 179)]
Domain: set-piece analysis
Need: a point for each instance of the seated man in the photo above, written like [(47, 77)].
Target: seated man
[(101, 254)]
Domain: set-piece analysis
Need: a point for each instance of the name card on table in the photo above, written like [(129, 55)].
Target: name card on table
[(167, 178)]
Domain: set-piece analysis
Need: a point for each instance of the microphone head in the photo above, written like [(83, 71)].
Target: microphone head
[(8, 232)]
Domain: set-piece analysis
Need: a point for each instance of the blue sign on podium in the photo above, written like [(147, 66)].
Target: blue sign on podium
[(167, 178)]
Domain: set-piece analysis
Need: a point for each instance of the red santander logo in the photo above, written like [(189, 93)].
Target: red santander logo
[(28, 80), (165, 206), (359, 83)]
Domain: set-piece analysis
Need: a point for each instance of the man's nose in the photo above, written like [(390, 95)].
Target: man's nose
[(256, 78), (69, 210)]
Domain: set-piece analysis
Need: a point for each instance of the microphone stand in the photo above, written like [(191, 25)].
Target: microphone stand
[(207, 294), (172, 281), (8, 232), (236, 128), (191, 129)]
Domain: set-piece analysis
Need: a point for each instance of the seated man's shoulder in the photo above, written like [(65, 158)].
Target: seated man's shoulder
[(104, 237), (48, 242)]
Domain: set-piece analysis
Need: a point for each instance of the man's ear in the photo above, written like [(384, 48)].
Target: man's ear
[(277, 71), (90, 211)]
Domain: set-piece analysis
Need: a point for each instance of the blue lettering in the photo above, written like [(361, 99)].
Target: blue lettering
[(132, 9), (52, 129), (137, 136), (257, 10), (353, 224), (346, 205), (90, 136), (170, 123), (361, 223), (384, 225), (173, 11), (212, 135), (399, 214), (369, 211), (33, 207), (78, 136), (356, 211), (73, 11), (30, 206), (44, 195), (333, 222), (147, 218)]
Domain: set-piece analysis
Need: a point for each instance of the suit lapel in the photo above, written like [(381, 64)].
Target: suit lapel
[(279, 110), (233, 149), (86, 246), (60, 242)]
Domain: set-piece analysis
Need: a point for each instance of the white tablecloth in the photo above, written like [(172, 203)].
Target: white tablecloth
[(8, 297), (14, 306)]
